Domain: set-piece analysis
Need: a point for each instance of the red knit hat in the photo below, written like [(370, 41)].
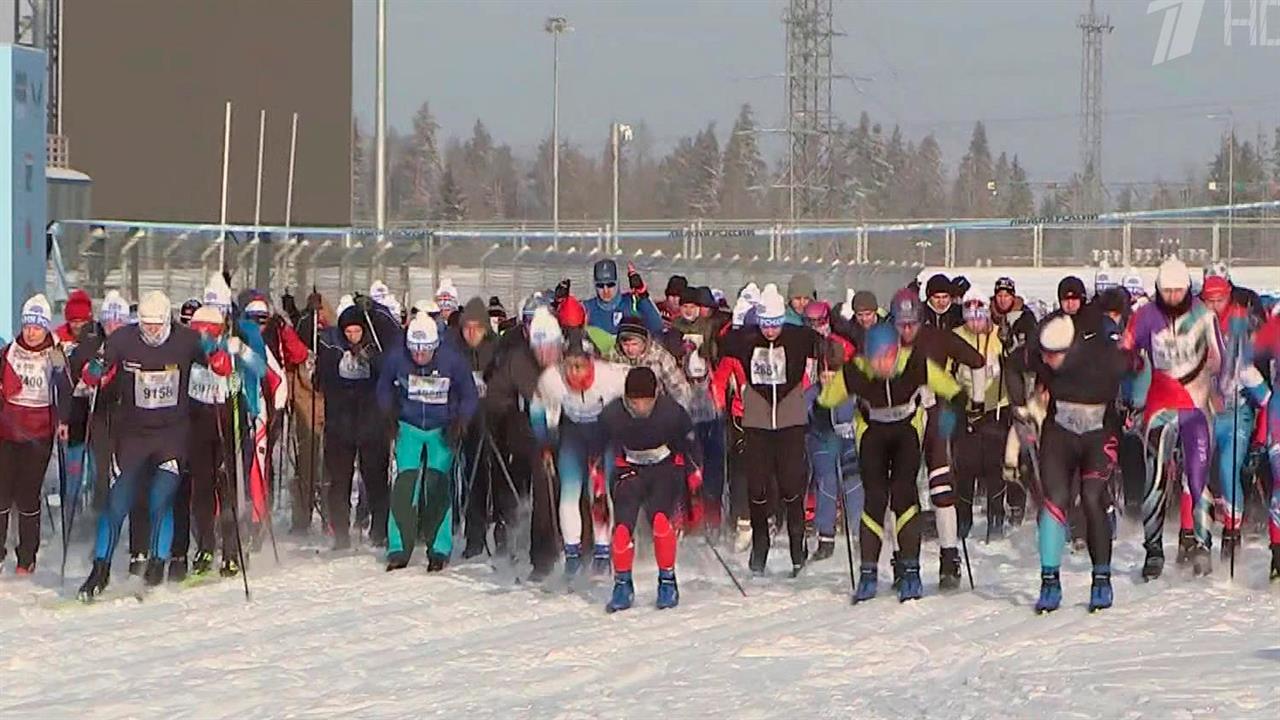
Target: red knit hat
[(1216, 287), (79, 307), (572, 314)]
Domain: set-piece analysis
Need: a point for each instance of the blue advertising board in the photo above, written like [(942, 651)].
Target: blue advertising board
[(22, 180)]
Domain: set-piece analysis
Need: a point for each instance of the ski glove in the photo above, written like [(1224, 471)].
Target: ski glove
[(636, 283)]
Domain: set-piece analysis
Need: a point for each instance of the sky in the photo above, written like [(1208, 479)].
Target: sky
[(929, 65)]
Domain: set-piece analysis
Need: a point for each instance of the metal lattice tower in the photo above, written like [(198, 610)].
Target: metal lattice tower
[(1092, 28), (809, 26), (38, 23)]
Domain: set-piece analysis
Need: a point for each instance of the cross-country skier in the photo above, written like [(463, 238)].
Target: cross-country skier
[(571, 396), (1266, 348), (776, 359), (1179, 337), (636, 348), (889, 380), (609, 305), (695, 335), (112, 315), (151, 364), (429, 387), (35, 405), (650, 430), (1081, 373), (1240, 390), (475, 339), (355, 428)]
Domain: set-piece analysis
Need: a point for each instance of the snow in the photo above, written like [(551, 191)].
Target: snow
[(328, 636)]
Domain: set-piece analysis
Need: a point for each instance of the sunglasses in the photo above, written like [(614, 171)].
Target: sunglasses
[(602, 286)]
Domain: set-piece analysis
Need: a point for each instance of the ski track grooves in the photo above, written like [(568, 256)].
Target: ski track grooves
[(327, 636)]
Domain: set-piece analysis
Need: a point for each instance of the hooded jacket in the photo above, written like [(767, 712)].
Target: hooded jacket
[(671, 377), (348, 377), (431, 396)]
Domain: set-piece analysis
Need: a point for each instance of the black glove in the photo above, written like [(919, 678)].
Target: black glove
[(314, 301), (562, 291), (364, 302), (290, 307), (636, 282)]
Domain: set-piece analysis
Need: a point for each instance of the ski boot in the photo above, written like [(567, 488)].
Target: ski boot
[(1100, 595), (572, 559), (624, 592), (137, 564), (436, 563), (230, 568), (910, 588), (1201, 560), (539, 573), (600, 564), (1050, 591), (1186, 543), (177, 569), (668, 591), (896, 563), (154, 574), (759, 555), (826, 548), (1230, 543), (203, 563), (868, 580), (97, 581), (995, 527), (1275, 562), (472, 549), (799, 559), (949, 569), (397, 561), (742, 540), (25, 570), (1154, 564)]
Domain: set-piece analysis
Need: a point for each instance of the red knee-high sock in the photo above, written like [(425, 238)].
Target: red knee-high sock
[(664, 542), (624, 551), (1186, 515)]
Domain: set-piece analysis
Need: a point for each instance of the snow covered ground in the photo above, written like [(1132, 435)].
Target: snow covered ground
[(332, 636)]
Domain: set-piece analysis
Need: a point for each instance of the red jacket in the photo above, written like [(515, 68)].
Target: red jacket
[(20, 421)]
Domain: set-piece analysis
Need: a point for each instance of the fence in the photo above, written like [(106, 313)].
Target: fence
[(513, 262)]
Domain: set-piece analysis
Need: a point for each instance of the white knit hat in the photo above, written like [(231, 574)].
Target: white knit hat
[(544, 329), (447, 295), (37, 311), (1056, 335), (773, 308), (217, 293), (114, 308), (422, 333), (1173, 274), (155, 308), (345, 302)]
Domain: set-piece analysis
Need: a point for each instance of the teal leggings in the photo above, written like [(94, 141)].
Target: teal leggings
[(421, 497)]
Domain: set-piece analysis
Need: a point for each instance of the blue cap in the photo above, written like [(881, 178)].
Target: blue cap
[(605, 271)]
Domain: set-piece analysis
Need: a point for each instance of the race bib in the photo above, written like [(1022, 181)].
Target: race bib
[(1176, 354), (204, 386), (351, 367), (155, 389), (478, 377), (769, 366), (34, 373), (429, 389), (694, 339)]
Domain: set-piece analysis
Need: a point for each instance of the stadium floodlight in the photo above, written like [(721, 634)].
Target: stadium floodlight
[(555, 26)]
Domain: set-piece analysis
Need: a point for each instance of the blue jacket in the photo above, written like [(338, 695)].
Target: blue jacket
[(607, 316), (429, 396)]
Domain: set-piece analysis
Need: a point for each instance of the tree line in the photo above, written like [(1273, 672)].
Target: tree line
[(874, 175)]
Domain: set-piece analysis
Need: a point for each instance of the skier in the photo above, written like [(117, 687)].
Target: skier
[(1081, 373), (1266, 348), (947, 350), (978, 449), (530, 347), (1240, 390), (635, 348), (1180, 339), (572, 394), (775, 359), (650, 430), (35, 405), (695, 335), (888, 380), (833, 457), (800, 292), (475, 340), (448, 301), (112, 315), (941, 310), (609, 306), (347, 366), (432, 387), (151, 363)]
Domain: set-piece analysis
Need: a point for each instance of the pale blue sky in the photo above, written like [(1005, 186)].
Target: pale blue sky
[(935, 65)]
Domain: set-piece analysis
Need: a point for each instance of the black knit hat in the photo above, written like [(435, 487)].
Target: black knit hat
[(676, 285), (937, 285), (688, 295), (632, 325), (705, 298), (495, 308), (641, 383), (1071, 287)]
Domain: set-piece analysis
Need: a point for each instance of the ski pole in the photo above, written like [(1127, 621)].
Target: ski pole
[(232, 501), (844, 512), (1235, 420), (723, 564), (964, 545)]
